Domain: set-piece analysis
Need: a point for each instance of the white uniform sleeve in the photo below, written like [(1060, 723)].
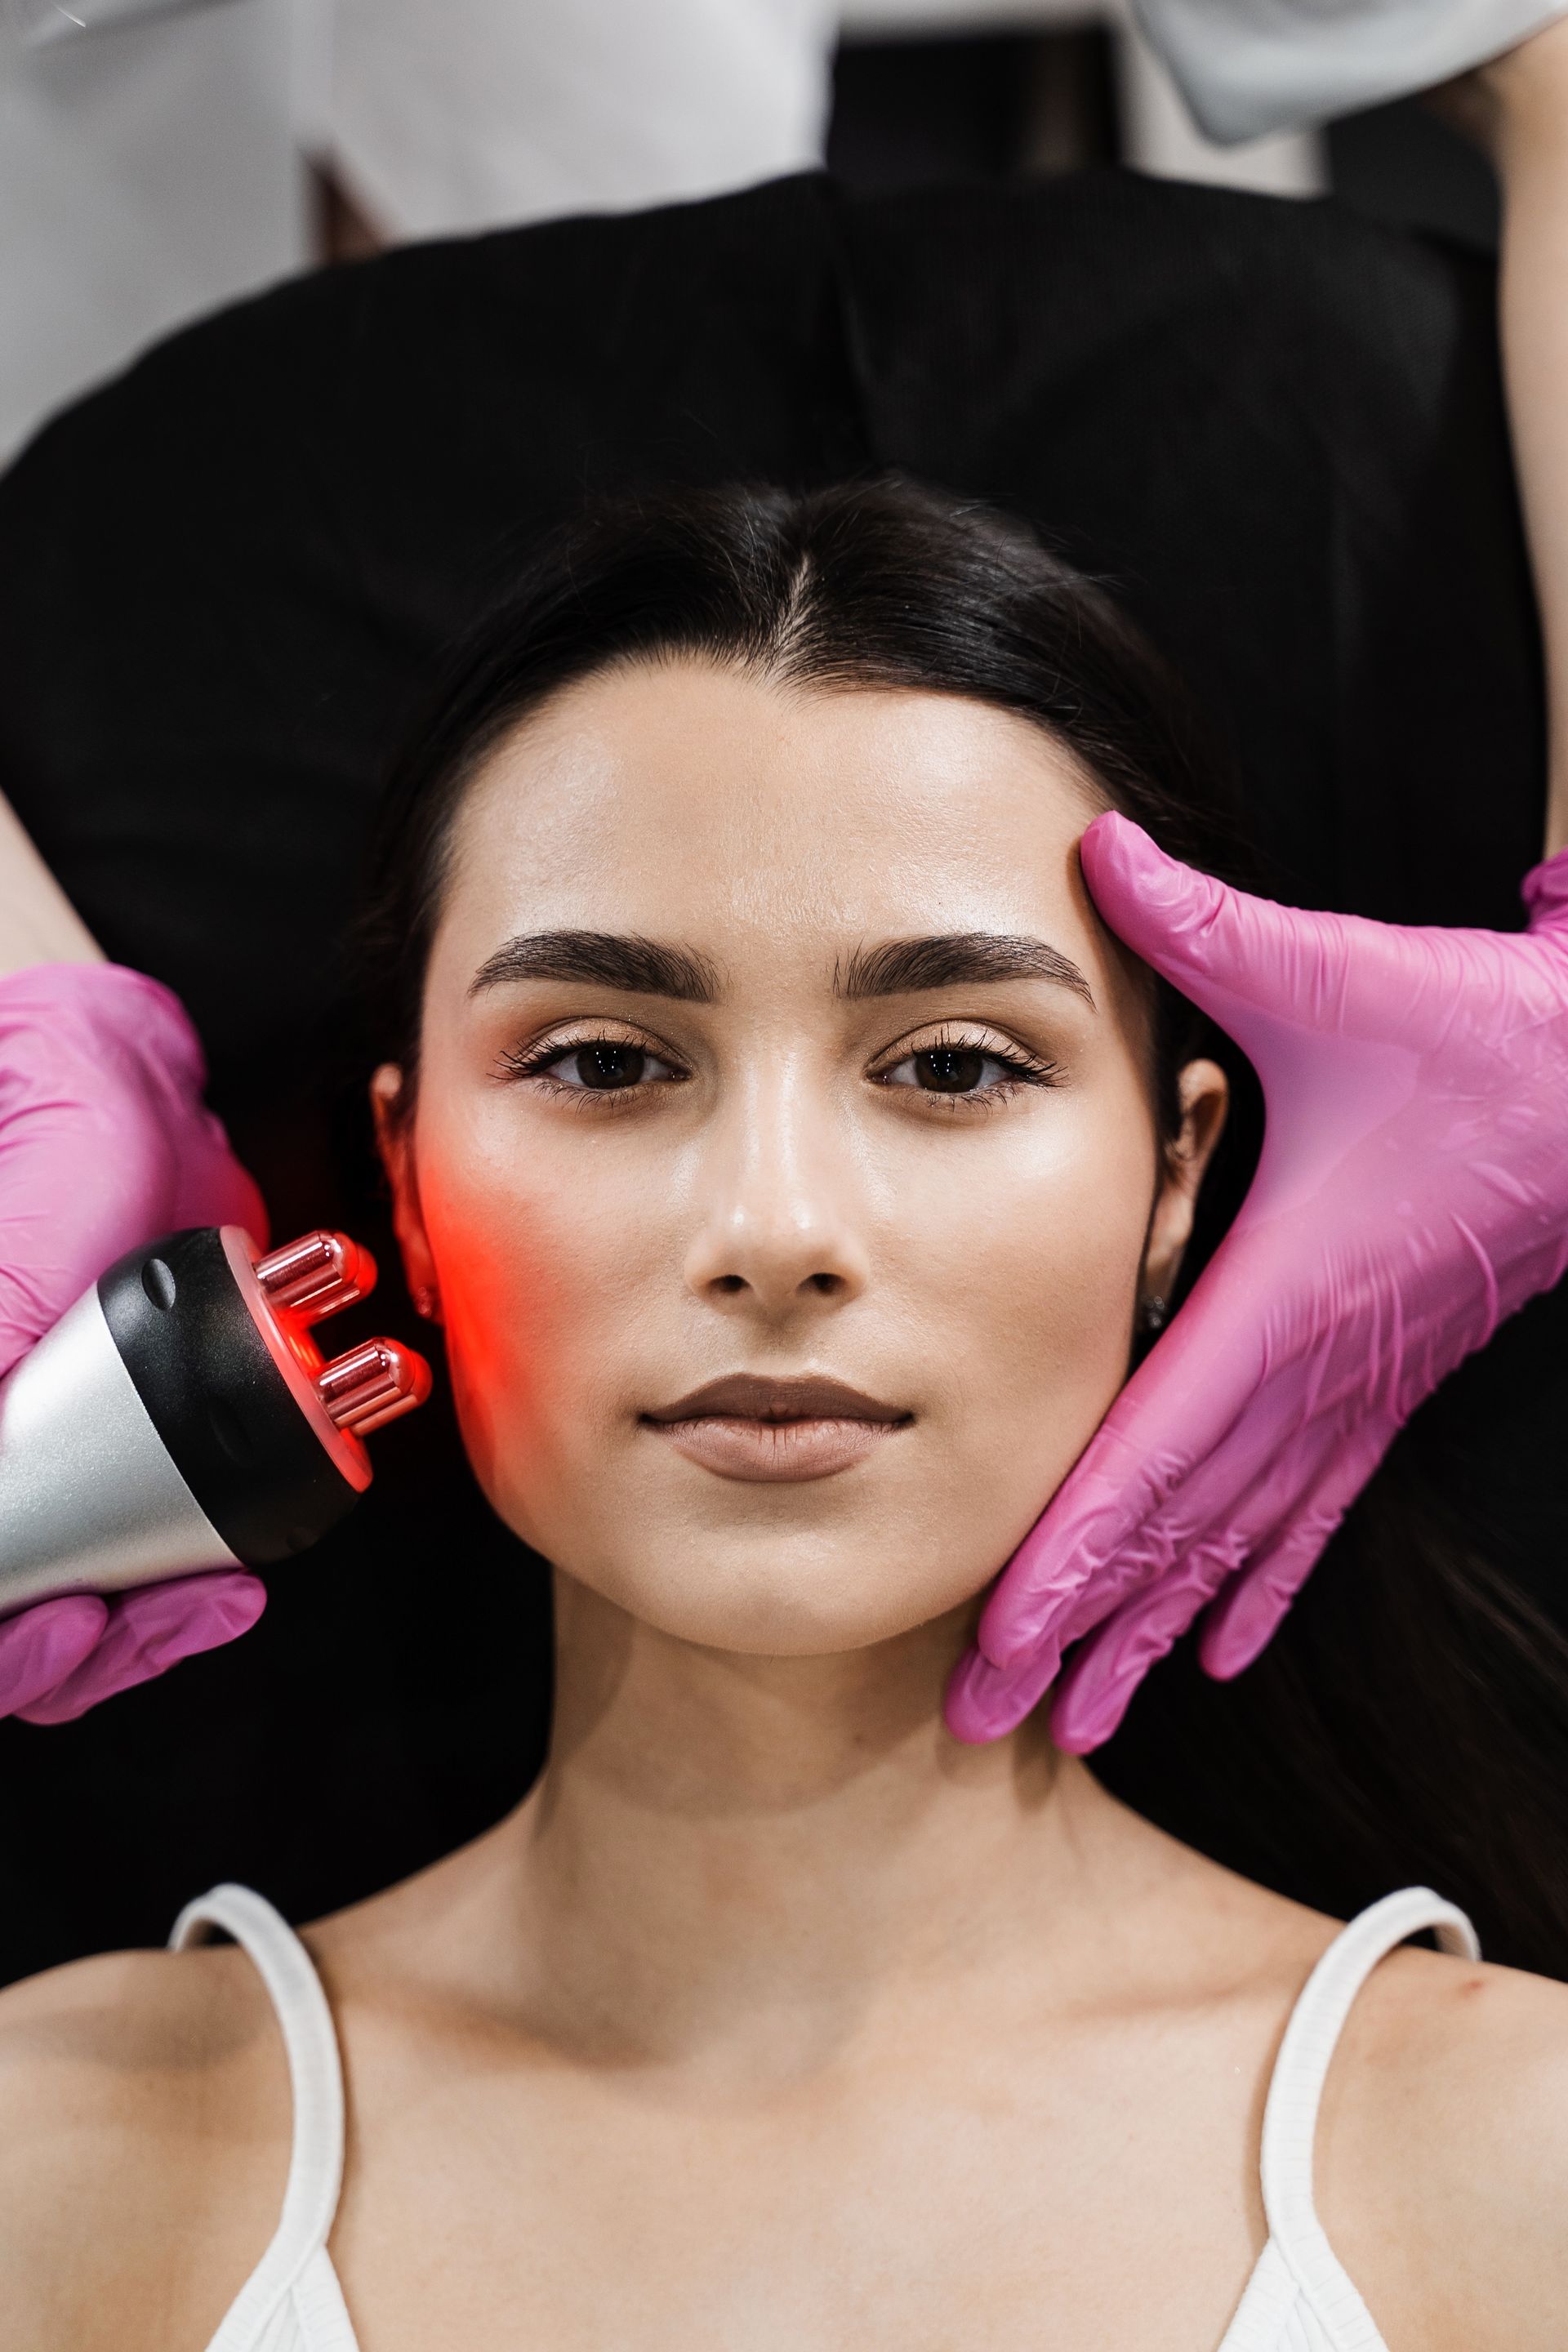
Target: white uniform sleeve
[(447, 116), (148, 172), (1247, 67)]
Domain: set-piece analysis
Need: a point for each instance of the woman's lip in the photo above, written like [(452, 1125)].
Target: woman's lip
[(773, 1452), (772, 1428), (780, 1397)]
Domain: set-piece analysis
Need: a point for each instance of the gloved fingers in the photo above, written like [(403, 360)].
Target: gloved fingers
[(1120, 1641), (148, 1632), (1277, 976), (86, 1171), (1246, 1618), (1233, 1507), (985, 1702), (104, 1140), (1103, 1674), (45, 1646), (127, 1184), (1106, 1670), (47, 1258), (1246, 1504), (1222, 946), (1204, 1417), (126, 1026)]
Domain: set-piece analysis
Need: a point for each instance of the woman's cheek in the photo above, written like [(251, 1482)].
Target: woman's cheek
[(528, 1266), (497, 1264), (1057, 1321), (495, 1343)]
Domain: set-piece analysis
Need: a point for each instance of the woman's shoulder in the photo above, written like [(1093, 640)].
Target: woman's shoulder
[(1465, 2041), (144, 2128), (1442, 2155)]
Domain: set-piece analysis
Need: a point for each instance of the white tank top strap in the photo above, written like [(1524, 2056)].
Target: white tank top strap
[(294, 2264), (1291, 2117)]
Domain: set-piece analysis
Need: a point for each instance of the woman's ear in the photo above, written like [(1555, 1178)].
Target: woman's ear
[(1205, 1095), (395, 1142)]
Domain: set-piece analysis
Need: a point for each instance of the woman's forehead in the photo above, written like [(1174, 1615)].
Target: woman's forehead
[(709, 802)]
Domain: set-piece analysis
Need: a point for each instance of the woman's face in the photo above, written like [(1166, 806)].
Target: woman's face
[(771, 1040)]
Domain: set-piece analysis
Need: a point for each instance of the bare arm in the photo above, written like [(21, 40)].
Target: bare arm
[(1519, 105), (37, 922)]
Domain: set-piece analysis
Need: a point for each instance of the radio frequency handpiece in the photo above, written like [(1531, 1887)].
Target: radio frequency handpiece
[(180, 1416)]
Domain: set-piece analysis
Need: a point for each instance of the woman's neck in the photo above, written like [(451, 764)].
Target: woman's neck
[(742, 1864)]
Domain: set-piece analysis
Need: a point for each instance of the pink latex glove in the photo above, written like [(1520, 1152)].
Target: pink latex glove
[(104, 1142), (1412, 1191)]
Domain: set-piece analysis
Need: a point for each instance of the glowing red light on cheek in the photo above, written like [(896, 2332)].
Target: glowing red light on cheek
[(483, 1297), (500, 1306)]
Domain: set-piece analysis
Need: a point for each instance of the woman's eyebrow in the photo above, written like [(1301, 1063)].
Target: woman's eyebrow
[(902, 967), (607, 959)]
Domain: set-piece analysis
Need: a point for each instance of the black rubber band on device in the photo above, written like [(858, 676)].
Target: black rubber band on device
[(227, 1416)]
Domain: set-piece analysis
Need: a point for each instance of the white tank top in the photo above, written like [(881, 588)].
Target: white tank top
[(1297, 2300)]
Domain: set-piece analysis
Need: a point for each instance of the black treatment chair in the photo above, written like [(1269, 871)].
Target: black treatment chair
[(1276, 430)]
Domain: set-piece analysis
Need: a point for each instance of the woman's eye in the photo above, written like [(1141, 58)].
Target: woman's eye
[(959, 1070), (606, 1066), (598, 1065)]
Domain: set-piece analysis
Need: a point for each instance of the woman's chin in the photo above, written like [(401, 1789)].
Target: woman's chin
[(758, 1608)]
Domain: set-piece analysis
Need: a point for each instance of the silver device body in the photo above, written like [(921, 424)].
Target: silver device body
[(89, 1500)]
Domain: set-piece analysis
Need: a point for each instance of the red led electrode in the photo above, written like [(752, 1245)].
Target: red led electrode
[(317, 1276), (372, 1384)]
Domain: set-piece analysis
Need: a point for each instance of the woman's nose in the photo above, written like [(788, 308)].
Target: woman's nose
[(779, 1227)]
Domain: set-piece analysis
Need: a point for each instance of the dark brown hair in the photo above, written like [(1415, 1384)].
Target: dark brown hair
[(876, 584), (1411, 1720)]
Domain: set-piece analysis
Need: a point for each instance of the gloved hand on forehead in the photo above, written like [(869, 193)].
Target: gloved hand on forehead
[(1412, 1191), (104, 1142)]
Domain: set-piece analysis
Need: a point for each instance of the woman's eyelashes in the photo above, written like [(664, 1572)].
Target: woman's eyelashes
[(591, 1063), (952, 1066), (958, 1067)]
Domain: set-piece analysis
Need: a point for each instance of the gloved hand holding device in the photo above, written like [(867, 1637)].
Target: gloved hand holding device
[(1412, 1191), (104, 1143)]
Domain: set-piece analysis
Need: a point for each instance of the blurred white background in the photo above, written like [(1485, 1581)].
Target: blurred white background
[(159, 157)]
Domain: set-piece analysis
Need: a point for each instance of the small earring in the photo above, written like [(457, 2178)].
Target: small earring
[(1153, 1314), (427, 1302)]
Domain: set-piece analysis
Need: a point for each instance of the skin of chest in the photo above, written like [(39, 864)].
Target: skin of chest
[(930, 2191)]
